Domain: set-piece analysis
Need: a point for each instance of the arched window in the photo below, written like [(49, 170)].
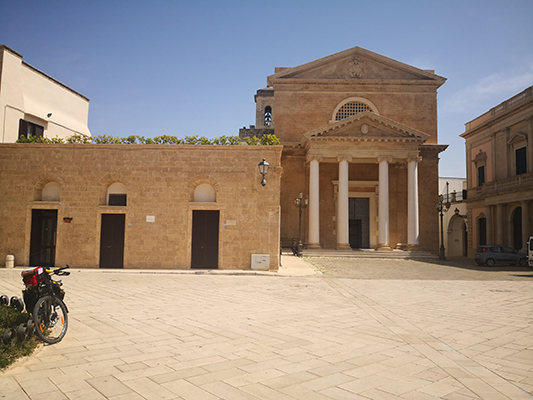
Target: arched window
[(117, 195), (204, 193), (268, 116), (352, 106), (51, 192)]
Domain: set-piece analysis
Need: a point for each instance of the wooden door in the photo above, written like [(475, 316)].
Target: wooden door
[(112, 241), (205, 225), (43, 238)]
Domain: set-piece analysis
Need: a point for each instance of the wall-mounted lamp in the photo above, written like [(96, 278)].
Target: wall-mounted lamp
[(263, 170)]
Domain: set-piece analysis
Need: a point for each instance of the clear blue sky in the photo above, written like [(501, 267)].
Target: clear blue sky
[(192, 67)]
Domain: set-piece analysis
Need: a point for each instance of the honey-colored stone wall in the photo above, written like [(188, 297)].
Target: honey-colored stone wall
[(160, 183)]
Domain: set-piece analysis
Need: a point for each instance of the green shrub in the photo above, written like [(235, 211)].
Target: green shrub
[(11, 318)]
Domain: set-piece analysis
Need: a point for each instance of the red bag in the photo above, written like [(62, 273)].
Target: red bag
[(32, 277)]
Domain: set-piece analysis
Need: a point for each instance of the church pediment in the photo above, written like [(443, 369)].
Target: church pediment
[(368, 127), (355, 64)]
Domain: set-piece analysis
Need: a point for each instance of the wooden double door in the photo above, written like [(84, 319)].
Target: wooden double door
[(112, 240), (43, 238)]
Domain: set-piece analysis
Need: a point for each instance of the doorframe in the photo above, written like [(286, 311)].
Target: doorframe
[(43, 205), (195, 206), (98, 232), (372, 202)]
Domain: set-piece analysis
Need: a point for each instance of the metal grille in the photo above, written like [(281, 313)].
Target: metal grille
[(350, 109), (117, 199)]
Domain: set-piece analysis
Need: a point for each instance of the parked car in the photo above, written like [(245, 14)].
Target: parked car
[(491, 255)]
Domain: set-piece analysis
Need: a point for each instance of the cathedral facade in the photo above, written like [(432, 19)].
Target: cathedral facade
[(359, 136)]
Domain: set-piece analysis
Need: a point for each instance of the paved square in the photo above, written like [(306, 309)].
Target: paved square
[(420, 331)]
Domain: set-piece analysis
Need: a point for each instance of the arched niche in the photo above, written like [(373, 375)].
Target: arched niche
[(204, 193), (51, 192)]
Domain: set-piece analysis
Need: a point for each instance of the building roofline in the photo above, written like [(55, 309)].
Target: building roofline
[(7, 48)]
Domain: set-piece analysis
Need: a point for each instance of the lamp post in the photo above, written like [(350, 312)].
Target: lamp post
[(300, 204), (442, 207), (263, 170)]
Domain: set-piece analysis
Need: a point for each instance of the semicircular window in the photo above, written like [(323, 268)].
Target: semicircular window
[(351, 109)]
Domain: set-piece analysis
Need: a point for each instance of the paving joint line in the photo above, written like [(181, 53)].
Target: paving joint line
[(425, 347)]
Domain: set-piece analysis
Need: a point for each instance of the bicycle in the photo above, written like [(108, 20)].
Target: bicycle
[(43, 296)]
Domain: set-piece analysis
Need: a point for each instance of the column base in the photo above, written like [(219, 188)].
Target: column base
[(383, 247), (313, 246), (344, 246)]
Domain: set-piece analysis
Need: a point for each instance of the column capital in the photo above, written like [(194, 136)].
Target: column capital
[(381, 159), (344, 158), (314, 157), (416, 159)]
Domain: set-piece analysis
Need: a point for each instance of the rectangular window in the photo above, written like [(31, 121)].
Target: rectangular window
[(27, 129), (521, 161), (117, 200), (480, 175)]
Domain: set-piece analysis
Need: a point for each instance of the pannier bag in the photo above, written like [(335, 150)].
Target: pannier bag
[(34, 276)]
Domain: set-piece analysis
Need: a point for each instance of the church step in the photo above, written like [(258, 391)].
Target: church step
[(367, 253)]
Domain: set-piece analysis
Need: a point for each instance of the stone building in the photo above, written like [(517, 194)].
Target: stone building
[(359, 136), (33, 103), (140, 206), (499, 160)]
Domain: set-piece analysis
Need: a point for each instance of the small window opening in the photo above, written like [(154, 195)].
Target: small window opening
[(117, 199), (480, 175), (268, 116)]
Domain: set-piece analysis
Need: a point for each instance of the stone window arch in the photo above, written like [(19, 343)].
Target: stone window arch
[(51, 192), (353, 106), (117, 194), (204, 193)]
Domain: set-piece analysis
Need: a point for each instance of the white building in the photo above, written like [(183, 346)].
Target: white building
[(454, 230), (33, 103)]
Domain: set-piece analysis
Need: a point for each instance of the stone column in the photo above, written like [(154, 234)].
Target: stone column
[(343, 227), (525, 224), (413, 225), (314, 214), (488, 218), (383, 235)]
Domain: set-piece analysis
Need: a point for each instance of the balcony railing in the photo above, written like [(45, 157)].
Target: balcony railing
[(507, 185)]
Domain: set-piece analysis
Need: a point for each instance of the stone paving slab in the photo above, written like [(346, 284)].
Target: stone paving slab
[(441, 332)]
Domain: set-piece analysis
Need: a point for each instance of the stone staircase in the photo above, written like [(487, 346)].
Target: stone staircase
[(371, 253)]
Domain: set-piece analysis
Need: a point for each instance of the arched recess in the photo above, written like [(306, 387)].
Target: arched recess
[(204, 193), (117, 194), (51, 192), (456, 236), (352, 106)]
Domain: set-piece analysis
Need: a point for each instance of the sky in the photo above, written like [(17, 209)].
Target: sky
[(182, 68)]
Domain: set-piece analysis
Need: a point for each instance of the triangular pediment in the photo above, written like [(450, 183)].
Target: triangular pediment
[(367, 126), (517, 138), (355, 64)]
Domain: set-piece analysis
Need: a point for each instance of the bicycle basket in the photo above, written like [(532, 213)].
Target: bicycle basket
[(34, 276)]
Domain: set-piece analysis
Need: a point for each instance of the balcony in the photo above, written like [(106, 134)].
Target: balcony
[(508, 185)]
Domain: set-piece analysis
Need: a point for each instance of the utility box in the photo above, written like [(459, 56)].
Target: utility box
[(261, 262)]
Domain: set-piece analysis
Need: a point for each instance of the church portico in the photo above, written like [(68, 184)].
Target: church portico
[(365, 149)]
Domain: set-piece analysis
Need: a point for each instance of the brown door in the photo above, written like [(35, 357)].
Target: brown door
[(112, 241), (43, 238), (205, 239)]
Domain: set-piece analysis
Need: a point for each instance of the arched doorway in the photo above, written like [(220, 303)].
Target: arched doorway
[(456, 237)]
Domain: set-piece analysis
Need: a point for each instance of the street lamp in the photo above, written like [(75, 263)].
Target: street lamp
[(300, 204), (442, 207), (263, 170)]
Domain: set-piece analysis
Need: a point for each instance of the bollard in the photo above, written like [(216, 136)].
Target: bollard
[(10, 261)]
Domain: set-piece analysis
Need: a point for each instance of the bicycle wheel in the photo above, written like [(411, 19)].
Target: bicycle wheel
[(51, 319)]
